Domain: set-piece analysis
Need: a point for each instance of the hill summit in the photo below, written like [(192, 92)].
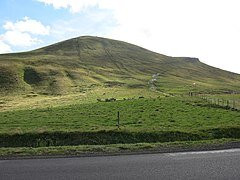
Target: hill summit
[(82, 63)]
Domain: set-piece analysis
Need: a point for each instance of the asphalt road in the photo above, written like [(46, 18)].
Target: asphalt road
[(223, 164)]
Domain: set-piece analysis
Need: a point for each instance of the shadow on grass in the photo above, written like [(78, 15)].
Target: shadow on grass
[(111, 137)]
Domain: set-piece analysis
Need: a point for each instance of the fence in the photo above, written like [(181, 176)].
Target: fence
[(232, 104)]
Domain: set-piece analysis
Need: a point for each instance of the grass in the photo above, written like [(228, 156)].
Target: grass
[(149, 120), (34, 101), (231, 101), (79, 64), (171, 113), (227, 96), (114, 148), (48, 97)]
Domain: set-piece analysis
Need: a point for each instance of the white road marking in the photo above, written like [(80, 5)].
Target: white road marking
[(204, 152)]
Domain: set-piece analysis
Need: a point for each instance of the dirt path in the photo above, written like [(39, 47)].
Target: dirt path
[(152, 82)]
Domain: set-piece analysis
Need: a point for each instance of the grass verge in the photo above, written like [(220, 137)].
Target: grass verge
[(47, 139), (114, 149)]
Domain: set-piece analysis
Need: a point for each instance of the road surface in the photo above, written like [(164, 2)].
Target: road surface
[(223, 164)]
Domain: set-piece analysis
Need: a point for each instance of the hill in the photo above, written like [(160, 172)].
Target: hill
[(83, 63), (72, 94)]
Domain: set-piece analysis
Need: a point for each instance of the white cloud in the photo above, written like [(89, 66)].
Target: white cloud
[(16, 38), (201, 28), (209, 30), (74, 5), (204, 29), (4, 48), (22, 33), (93, 22), (27, 25)]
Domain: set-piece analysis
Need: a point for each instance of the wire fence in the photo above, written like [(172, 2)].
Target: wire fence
[(228, 103)]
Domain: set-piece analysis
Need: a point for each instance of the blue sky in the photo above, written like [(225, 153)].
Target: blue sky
[(61, 22), (208, 30)]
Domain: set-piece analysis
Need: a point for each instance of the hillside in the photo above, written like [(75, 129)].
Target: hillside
[(92, 93), (83, 63)]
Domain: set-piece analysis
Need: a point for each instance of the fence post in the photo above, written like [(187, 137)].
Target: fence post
[(118, 119)]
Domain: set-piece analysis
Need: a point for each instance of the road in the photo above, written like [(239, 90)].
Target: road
[(223, 164)]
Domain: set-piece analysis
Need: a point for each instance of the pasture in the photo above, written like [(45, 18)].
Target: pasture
[(163, 119)]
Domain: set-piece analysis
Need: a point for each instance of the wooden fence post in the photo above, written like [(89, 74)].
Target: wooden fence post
[(118, 119)]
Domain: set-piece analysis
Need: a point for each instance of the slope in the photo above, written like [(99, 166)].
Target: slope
[(80, 64)]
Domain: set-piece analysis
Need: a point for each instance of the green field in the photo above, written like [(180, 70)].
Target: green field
[(162, 119), (160, 114)]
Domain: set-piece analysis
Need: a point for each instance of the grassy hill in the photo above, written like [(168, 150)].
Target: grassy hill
[(57, 99), (82, 64)]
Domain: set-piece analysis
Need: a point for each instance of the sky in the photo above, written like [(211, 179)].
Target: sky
[(206, 29)]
